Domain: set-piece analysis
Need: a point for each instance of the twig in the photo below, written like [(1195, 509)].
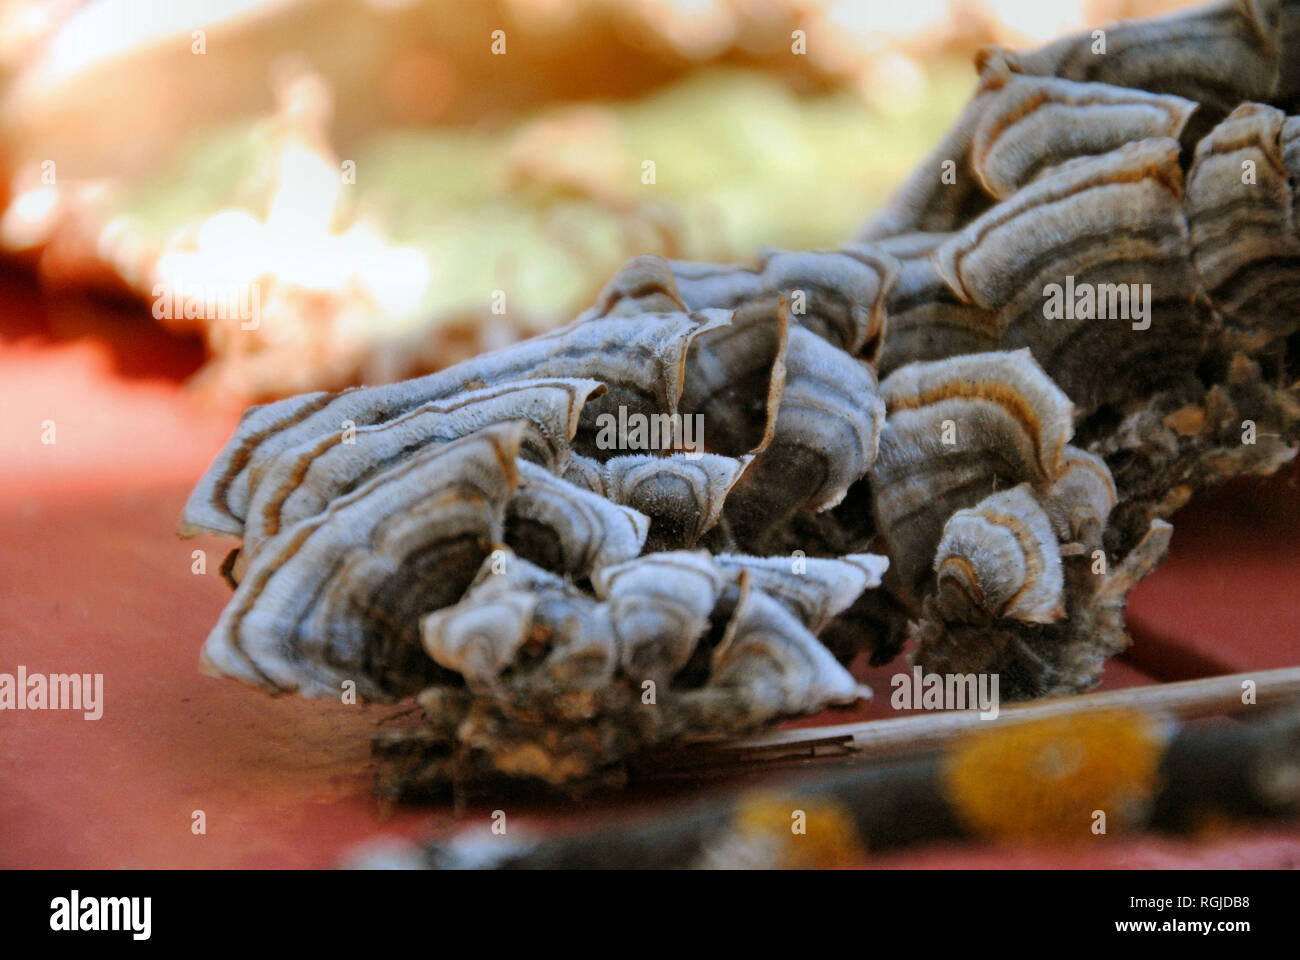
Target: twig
[(1185, 700), (1068, 778)]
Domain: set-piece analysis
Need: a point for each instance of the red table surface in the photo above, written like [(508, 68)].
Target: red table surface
[(94, 580)]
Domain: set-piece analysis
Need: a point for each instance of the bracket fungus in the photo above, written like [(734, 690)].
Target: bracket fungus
[(964, 431)]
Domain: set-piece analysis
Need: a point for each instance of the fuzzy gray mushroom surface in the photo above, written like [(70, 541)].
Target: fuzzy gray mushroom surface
[(686, 513)]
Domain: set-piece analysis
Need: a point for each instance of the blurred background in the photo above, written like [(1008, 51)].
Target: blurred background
[(400, 183)]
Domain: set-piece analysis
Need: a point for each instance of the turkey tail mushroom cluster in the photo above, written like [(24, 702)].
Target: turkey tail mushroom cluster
[(685, 513), (485, 538)]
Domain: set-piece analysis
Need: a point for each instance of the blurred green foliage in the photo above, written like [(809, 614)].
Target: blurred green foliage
[(547, 207)]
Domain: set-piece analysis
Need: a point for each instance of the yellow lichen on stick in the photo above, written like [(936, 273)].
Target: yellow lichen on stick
[(800, 832), (1062, 779)]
